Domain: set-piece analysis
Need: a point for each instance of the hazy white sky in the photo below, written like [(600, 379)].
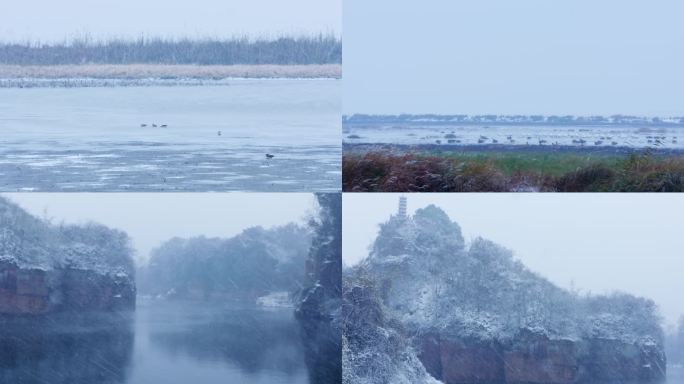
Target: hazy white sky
[(49, 20), (152, 218), (601, 242), (508, 57)]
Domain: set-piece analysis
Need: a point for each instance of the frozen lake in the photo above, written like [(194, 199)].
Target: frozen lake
[(619, 136), (162, 342), (216, 139)]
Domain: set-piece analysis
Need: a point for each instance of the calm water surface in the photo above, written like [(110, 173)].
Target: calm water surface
[(162, 342)]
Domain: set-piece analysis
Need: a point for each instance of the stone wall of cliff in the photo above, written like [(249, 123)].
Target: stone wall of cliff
[(46, 268), (319, 309), (535, 358)]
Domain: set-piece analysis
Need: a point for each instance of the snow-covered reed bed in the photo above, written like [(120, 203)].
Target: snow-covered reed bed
[(140, 74)]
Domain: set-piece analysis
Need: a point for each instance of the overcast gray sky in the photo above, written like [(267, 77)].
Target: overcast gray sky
[(601, 242), (152, 218), (508, 57), (49, 20)]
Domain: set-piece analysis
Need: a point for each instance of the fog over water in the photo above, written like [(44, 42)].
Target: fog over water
[(151, 219), (595, 242)]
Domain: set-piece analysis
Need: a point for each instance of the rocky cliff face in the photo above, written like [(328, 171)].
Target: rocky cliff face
[(23, 291), (375, 346), (534, 358), (46, 268), (454, 360), (319, 309), (476, 315)]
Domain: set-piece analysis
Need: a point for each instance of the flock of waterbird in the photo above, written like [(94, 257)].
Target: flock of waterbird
[(657, 141), (218, 133)]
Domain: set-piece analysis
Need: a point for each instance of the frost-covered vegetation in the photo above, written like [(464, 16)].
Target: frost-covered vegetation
[(319, 307), (430, 277), (285, 50), (374, 347), (103, 75), (28, 242), (249, 265), (422, 279)]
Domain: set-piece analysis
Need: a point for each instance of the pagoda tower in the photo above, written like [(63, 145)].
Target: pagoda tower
[(401, 213)]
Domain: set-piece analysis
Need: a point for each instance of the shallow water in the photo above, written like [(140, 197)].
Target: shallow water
[(675, 374), (91, 139), (518, 135), (162, 342)]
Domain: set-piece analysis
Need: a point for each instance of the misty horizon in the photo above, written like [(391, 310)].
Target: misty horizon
[(139, 214), (569, 57), (130, 19), (89, 39), (508, 115)]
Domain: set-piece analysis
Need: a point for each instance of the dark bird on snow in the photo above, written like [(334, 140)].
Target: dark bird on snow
[(269, 156), (164, 125), (218, 133), (143, 125), (154, 125)]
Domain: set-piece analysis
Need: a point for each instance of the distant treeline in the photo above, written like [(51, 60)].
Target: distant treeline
[(435, 119), (321, 49)]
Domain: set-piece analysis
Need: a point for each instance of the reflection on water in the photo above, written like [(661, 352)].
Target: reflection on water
[(675, 374), (91, 348), (164, 342)]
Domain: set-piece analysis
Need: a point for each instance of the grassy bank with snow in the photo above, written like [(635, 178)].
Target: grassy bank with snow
[(161, 71)]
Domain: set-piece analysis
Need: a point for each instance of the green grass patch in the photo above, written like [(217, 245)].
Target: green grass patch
[(541, 163), (432, 171)]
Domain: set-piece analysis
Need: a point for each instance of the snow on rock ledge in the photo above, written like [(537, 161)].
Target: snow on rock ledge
[(46, 268), (474, 314)]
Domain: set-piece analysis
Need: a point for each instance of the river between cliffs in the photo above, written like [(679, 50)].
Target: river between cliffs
[(162, 341), (675, 374)]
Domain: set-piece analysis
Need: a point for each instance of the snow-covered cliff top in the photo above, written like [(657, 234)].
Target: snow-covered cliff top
[(432, 281), (32, 243)]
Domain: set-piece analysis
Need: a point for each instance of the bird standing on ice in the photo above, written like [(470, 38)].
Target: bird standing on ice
[(218, 133), (269, 156)]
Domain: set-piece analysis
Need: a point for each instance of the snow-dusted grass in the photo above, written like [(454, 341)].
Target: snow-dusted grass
[(157, 71)]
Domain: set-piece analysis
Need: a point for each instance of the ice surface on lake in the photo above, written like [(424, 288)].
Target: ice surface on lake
[(91, 139), (563, 135)]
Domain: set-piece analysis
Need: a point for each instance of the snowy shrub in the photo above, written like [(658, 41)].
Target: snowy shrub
[(257, 260), (428, 279), (30, 242), (375, 351)]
